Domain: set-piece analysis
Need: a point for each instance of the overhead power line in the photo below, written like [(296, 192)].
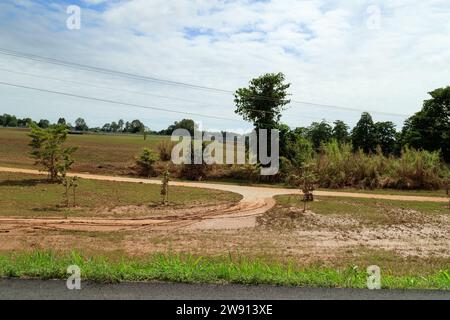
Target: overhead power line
[(79, 66), (119, 102), (139, 93), (115, 102)]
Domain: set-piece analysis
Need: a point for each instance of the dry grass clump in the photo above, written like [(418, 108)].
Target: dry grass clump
[(336, 166)]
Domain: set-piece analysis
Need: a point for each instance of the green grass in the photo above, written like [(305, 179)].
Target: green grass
[(190, 269), (31, 196)]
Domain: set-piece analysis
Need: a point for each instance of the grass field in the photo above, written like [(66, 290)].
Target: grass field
[(115, 154), (31, 196), (97, 153)]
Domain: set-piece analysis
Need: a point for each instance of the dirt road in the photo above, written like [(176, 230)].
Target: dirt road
[(255, 201)]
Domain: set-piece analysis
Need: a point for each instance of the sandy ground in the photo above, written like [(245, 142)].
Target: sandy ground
[(255, 201), (246, 226)]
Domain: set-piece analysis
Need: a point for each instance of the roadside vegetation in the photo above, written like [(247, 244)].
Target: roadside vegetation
[(371, 155), (194, 269)]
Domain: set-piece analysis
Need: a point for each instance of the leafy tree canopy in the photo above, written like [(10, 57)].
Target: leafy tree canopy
[(429, 129), (340, 132), (263, 100), (364, 134), (48, 151), (318, 133)]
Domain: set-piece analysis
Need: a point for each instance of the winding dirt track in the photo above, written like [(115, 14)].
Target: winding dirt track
[(255, 201)]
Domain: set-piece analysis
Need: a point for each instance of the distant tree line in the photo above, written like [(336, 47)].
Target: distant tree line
[(135, 126), (429, 129)]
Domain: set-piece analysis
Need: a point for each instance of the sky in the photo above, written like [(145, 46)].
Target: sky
[(368, 55)]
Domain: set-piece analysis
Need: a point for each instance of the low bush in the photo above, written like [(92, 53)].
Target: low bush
[(417, 170), (145, 162)]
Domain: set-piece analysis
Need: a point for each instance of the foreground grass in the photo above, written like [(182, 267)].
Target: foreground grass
[(31, 196), (190, 269)]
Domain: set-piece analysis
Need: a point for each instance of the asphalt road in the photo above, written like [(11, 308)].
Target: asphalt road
[(57, 290)]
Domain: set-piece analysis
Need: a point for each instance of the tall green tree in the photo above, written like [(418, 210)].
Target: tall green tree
[(263, 100), (262, 103), (114, 126), (44, 123), (319, 133), (62, 121), (137, 126), (386, 137), (8, 120), (187, 124), (48, 151), (364, 134), (80, 125), (429, 129), (120, 125), (340, 132), (24, 122)]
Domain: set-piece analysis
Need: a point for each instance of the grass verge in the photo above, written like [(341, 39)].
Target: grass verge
[(191, 269)]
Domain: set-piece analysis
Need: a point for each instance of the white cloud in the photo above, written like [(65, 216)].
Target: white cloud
[(324, 47)]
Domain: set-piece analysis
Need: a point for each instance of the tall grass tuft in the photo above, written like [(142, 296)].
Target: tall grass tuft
[(417, 170), (336, 166)]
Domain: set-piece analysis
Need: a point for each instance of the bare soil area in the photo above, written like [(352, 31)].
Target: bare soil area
[(257, 226)]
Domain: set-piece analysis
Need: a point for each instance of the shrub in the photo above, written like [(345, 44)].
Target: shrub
[(417, 170), (48, 151), (145, 162), (334, 165)]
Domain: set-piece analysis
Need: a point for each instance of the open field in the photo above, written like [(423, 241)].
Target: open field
[(97, 153), (115, 154), (330, 245), (32, 196)]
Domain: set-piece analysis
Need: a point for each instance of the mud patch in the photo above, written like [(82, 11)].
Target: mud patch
[(405, 231)]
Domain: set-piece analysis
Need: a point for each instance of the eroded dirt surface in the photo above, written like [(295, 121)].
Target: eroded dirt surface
[(248, 226), (407, 232)]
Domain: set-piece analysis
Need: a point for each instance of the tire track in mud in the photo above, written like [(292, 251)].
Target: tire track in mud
[(255, 201)]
